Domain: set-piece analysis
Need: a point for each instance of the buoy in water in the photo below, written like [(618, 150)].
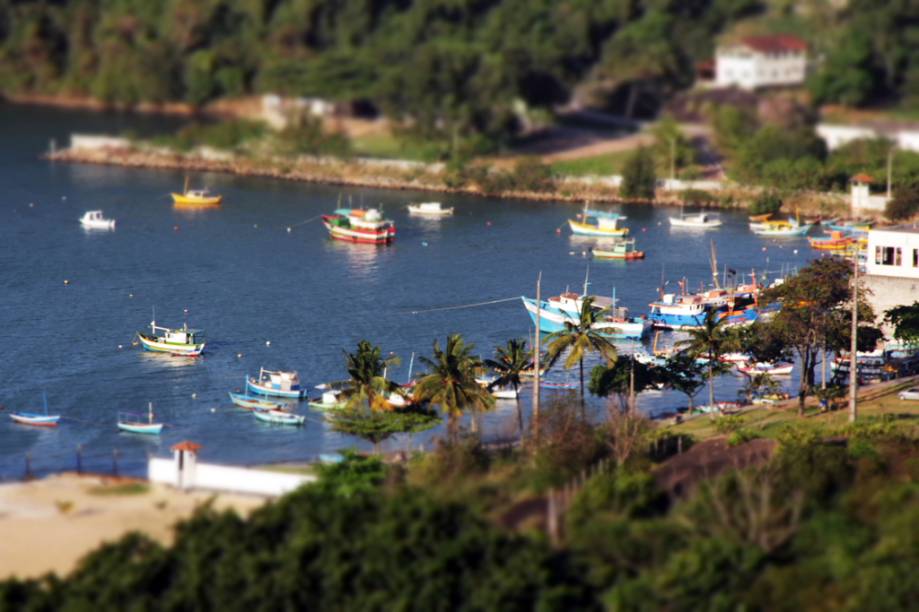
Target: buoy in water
[(31, 204), (255, 225), (120, 347), (66, 281), (267, 342), (194, 396), (175, 228), (488, 224), (288, 229), (795, 251), (130, 295), (558, 230), (213, 410), (239, 355), (424, 243)]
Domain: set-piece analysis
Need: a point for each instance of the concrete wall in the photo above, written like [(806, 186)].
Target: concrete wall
[(230, 479), (750, 69), (885, 292), (97, 141), (836, 136)]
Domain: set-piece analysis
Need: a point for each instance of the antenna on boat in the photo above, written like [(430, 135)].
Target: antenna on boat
[(153, 321), (714, 262), (150, 412), (185, 312), (411, 362), (586, 278), (44, 397)]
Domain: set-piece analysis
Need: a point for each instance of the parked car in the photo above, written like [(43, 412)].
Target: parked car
[(909, 394)]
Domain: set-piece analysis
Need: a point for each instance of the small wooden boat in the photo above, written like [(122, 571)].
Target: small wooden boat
[(836, 241), (195, 197), (604, 226), (552, 384), (506, 393), (772, 369), (697, 221), (429, 209), (279, 417), (36, 419), (184, 342), (277, 383), (777, 229), (248, 402), (93, 219), (360, 226), (330, 400), (622, 249), (760, 218), (131, 424)]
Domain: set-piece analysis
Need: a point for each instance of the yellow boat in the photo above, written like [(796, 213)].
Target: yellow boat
[(196, 197)]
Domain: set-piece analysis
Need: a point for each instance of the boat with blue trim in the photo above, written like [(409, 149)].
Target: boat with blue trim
[(614, 321), (136, 424), (278, 383), (279, 417), (36, 419), (183, 341)]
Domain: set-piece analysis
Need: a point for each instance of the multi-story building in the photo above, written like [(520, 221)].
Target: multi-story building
[(761, 61)]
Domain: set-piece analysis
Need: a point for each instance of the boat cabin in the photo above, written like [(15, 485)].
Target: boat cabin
[(279, 380)]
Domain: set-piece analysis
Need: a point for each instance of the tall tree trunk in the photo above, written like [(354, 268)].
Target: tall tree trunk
[(711, 384), (519, 414), (581, 367)]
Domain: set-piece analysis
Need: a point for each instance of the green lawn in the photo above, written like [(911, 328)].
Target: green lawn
[(388, 146), (599, 165)]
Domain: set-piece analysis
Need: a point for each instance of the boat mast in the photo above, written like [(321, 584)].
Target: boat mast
[(411, 362), (150, 412), (44, 397), (586, 279), (714, 262), (536, 356)]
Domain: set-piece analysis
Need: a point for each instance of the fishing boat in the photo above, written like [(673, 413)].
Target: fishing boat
[(760, 218), (277, 383), (248, 402), (555, 312), (359, 225), (696, 221), (835, 241), (772, 369), (195, 197), (602, 214), (505, 393), (330, 400), (850, 226), (678, 312), (132, 424), (429, 209), (621, 249), (554, 384), (36, 419), (93, 219), (279, 417), (184, 342), (781, 228), (603, 226)]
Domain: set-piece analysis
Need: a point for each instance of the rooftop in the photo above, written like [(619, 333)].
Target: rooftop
[(773, 43), (906, 228)]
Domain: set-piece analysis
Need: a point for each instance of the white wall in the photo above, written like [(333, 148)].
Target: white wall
[(836, 136), (906, 241), (228, 479), (97, 141), (749, 69)]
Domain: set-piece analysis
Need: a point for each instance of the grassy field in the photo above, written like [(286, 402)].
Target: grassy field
[(389, 146), (599, 165), (876, 410)]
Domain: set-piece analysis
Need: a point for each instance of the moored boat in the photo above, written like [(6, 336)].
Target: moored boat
[(36, 419), (195, 197), (249, 402), (93, 219), (621, 249), (604, 226), (696, 221), (183, 341), (678, 312), (555, 312), (361, 226), (330, 400), (782, 228), (136, 424), (279, 417), (278, 383), (772, 369), (430, 209), (835, 241)]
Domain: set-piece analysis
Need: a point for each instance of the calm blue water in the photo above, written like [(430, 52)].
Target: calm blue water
[(248, 281)]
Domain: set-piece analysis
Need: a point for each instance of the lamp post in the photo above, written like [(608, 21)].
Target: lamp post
[(853, 343)]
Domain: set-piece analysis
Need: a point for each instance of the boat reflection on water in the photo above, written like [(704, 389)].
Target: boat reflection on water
[(363, 259), (172, 361)]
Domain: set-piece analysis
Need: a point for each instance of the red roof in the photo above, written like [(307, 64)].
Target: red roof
[(775, 43), (862, 178), (185, 445)]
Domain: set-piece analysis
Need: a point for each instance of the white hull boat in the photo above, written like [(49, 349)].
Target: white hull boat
[(700, 221), (93, 219), (430, 209)]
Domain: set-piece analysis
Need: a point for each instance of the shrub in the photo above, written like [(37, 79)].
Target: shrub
[(638, 177), (767, 202), (905, 204)]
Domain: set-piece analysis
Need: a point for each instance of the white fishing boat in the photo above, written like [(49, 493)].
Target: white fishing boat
[(277, 383), (137, 424), (279, 417), (93, 219), (772, 369), (430, 209), (696, 221), (505, 393), (183, 341)]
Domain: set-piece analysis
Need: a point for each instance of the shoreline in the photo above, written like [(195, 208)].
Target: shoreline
[(356, 173)]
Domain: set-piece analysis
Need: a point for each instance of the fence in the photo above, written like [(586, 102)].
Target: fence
[(187, 473)]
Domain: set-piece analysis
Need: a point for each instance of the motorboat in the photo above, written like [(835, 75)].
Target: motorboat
[(93, 219)]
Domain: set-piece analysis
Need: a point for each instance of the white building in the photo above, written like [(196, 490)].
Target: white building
[(894, 251), (761, 61), (903, 136), (862, 198)]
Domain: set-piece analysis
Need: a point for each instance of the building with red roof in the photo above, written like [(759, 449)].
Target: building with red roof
[(755, 62)]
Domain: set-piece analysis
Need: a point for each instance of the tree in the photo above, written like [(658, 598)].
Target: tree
[(450, 382), (580, 338), (766, 203), (638, 176), (905, 321), (672, 150), (813, 314), (682, 372), (510, 361), (758, 384), (847, 76), (904, 204), (375, 426), (710, 341), (626, 376), (366, 367), (733, 125)]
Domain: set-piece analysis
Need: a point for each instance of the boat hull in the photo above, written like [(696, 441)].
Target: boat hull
[(152, 429), (261, 389), (359, 236), (626, 256), (253, 403), (279, 418), (153, 344), (430, 212), (180, 199), (687, 223), (552, 320), (801, 230), (586, 229), (35, 420)]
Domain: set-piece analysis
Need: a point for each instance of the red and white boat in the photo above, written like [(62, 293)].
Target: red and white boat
[(365, 226), (773, 369)]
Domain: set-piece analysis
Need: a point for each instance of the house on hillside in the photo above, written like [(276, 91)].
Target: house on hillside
[(754, 62), (862, 199), (892, 268)]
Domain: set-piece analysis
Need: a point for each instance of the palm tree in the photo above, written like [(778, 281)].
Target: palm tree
[(580, 339), (509, 362), (367, 369), (450, 382), (711, 340)]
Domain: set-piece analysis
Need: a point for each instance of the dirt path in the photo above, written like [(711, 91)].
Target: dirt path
[(48, 525)]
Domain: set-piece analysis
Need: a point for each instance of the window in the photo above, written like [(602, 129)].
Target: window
[(888, 256)]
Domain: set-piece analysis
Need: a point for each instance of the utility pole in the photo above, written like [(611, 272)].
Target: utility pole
[(672, 161), (632, 385), (853, 345), (536, 355), (889, 172)]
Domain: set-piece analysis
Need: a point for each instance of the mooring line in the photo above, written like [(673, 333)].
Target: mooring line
[(461, 306)]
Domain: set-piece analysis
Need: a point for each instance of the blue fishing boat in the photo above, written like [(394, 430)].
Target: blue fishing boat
[(36, 419), (249, 402), (615, 322), (276, 383), (135, 424), (678, 312), (279, 417)]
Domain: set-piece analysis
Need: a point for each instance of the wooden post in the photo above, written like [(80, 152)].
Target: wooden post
[(79, 458), (28, 473), (853, 345), (114, 462)]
